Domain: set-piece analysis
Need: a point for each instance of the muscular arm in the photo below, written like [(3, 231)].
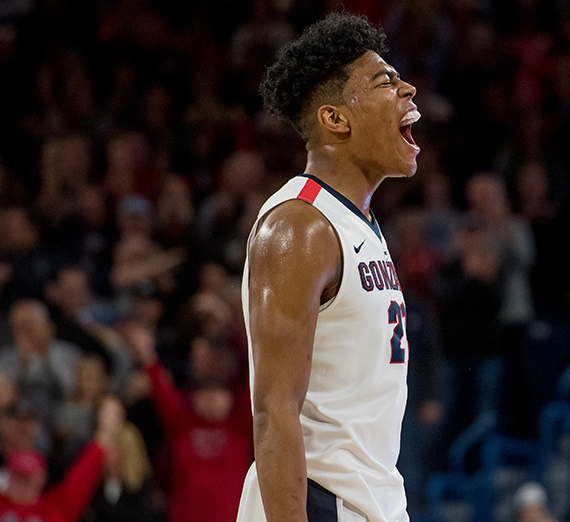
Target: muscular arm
[(295, 258)]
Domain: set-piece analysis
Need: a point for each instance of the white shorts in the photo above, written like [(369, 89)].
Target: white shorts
[(251, 506)]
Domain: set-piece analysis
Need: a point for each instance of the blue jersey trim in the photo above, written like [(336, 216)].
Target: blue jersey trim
[(348, 204)]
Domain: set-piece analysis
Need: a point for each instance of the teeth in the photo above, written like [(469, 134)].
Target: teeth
[(410, 117)]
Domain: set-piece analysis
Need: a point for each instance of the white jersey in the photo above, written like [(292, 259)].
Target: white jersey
[(353, 410)]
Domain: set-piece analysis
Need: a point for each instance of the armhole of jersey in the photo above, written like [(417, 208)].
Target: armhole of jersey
[(328, 303)]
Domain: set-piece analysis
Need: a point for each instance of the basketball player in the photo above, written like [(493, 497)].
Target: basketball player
[(323, 305)]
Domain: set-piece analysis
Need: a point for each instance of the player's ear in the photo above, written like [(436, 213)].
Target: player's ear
[(333, 119)]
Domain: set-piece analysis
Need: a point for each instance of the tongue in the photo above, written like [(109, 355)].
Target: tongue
[(406, 132)]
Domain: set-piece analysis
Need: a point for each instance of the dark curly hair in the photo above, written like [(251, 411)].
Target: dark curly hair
[(314, 65)]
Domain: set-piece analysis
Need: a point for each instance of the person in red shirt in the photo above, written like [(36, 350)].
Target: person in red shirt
[(23, 499), (210, 439)]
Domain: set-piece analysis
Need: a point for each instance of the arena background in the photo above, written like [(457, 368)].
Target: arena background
[(135, 153)]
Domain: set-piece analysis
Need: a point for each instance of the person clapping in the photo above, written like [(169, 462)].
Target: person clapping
[(24, 498)]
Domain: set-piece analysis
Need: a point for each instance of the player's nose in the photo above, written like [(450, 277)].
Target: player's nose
[(407, 90)]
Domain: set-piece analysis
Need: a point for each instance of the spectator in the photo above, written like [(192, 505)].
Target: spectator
[(531, 504), (75, 93), (87, 236), (422, 37), (541, 212), (472, 362), (225, 218), (209, 440), (488, 200), (88, 322), (7, 394), (66, 165), (130, 166), (24, 498), (417, 261), (76, 314), (125, 493), (205, 138), (75, 417), (441, 217), (20, 430), (133, 21), (175, 210), (42, 366), (254, 45), (210, 315), (25, 264), (213, 359), (135, 216), (140, 265), (210, 321), (512, 239)]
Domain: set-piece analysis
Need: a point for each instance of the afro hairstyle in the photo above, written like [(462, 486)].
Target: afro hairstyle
[(316, 63)]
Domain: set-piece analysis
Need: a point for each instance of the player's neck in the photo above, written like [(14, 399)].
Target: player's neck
[(343, 176)]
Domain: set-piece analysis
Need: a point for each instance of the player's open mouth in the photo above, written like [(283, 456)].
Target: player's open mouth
[(406, 127)]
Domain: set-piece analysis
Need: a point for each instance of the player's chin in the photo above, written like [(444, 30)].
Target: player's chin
[(406, 160), (407, 167), (411, 170)]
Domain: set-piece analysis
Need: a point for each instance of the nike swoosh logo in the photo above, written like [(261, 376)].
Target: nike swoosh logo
[(357, 248)]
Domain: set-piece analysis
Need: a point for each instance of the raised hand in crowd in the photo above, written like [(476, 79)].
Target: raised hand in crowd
[(110, 419), (140, 340)]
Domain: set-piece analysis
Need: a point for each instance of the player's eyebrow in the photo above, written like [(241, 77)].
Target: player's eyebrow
[(391, 73)]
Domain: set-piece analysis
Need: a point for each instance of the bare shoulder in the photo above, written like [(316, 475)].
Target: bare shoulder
[(295, 229)]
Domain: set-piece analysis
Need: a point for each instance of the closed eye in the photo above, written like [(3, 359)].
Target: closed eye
[(389, 75), (388, 83)]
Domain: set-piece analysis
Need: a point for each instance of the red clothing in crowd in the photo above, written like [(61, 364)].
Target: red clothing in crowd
[(65, 501), (209, 459)]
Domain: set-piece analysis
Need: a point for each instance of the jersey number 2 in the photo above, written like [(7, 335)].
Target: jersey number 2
[(396, 316)]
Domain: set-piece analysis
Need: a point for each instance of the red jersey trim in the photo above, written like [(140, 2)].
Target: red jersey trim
[(310, 191)]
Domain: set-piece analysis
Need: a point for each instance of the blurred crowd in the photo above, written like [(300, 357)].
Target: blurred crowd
[(134, 156)]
